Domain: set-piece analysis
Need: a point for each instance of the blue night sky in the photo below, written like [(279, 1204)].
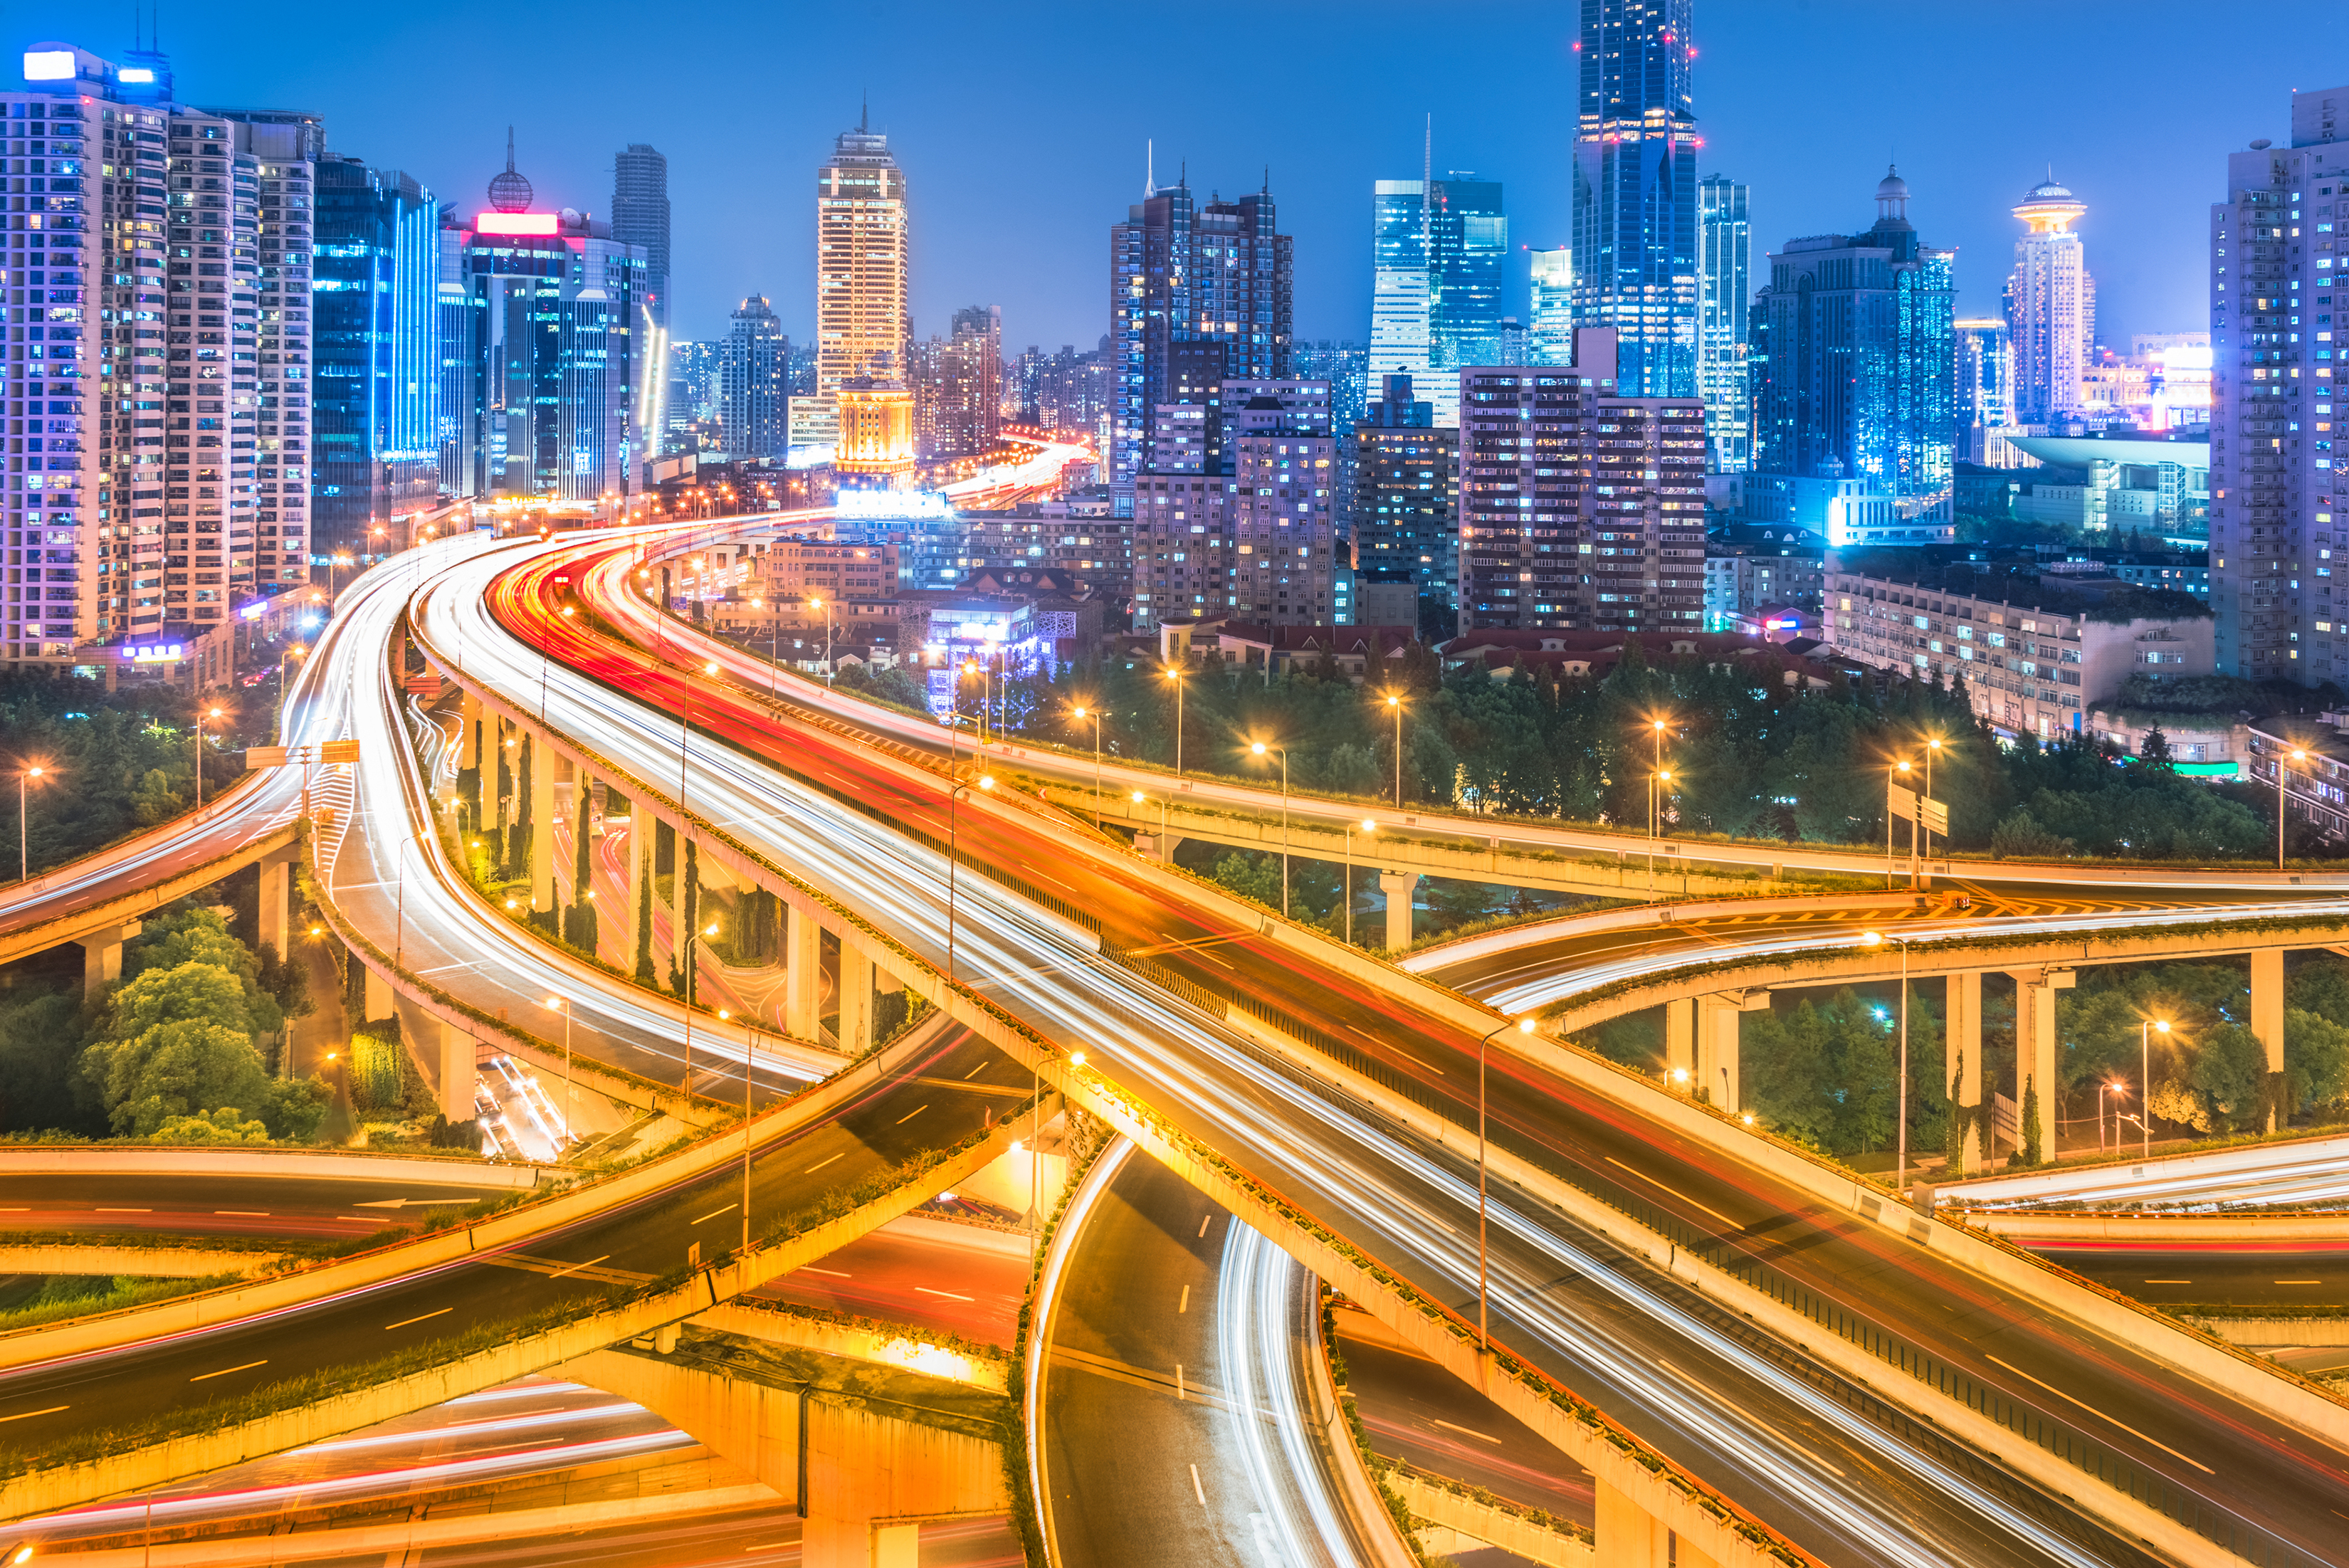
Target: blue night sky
[(1021, 126)]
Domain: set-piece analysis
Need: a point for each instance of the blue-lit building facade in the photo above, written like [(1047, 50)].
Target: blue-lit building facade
[(1854, 369), (1635, 190), (1439, 250), (1200, 293), (1724, 325), (375, 360), (540, 346)]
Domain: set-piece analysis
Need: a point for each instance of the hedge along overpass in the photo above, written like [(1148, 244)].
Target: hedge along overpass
[(1703, 1000), (1191, 1081)]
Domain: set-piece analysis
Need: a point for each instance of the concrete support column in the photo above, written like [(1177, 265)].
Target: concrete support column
[(1398, 887), (1680, 1043), (1962, 1066), (856, 1030), (542, 822), (803, 972), (639, 845), (1719, 1045), (276, 902), (457, 1073), (2267, 1020), (1629, 1536), (101, 955), (2035, 1051), (380, 1001), (1159, 847)]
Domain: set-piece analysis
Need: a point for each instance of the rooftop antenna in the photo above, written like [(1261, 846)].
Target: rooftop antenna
[(1149, 168), (865, 111), (1427, 194)]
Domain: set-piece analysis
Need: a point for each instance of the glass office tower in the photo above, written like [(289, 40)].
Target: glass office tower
[(375, 304)]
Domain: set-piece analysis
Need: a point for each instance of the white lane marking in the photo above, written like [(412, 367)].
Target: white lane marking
[(810, 1268), (27, 1415), (713, 1214), (1683, 1197), (244, 1213), (226, 1370), (575, 1268), (1182, 1393), (911, 1114), (2124, 1425), (1196, 1490), (974, 1072), (821, 1163), (1204, 1219), (1466, 1431), (951, 1295), (107, 1211), (1184, 1304), (419, 1318)]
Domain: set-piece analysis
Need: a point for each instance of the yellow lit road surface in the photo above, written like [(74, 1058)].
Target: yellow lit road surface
[(324, 753)]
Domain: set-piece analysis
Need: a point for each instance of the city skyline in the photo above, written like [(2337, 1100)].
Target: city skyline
[(742, 227)]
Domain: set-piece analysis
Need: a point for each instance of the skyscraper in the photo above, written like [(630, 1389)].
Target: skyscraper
[(375, 355), (2051, 310), (1985, 384), (864, 319), (1398, 284), (1725, 266), (1406, 492), (1439, 248), (2275, 532), (1635, 244), (541, 348), (1200, 293), (640, 217), (753, 376), (970, 379), (1550, 328), (1855, 379)]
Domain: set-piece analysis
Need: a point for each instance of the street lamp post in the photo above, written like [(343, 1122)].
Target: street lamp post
[(1900, 1167), (1259, 749), (201, 717), (1902, 767), (1394, 706), (563, 1005), (819, 605), (1369, 827), (24, 837), (1933, 747), (2297, 756), (1094, 714), (690, 938), (1174, 674), (1483, 1295), (2147, 1029)]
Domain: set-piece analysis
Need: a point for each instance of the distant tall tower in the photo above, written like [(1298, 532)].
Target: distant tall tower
[(1724, 265), (640, 217), (1635, 245), (1399, 279), (754, 378), (1986, 389), (2051, 313), (865, 325)]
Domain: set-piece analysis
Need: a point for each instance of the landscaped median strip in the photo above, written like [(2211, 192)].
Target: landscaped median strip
[(328, 1404), (559, 1206)]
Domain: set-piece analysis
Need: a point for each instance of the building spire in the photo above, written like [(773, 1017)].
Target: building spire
[(1149, 168), (865, 111)]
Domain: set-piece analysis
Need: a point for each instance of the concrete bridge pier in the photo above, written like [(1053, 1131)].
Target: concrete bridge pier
[(542, 822), (1719, 1044), (855, 998), (379, 1000), (101, 955), (802, 971), (1961, 1065), (632, 919), (1629, 1536), (2035, 1048), (680, 918), (1399, 888), (1157, 846), (2267, 1020), (457, 1073), (276, 902)]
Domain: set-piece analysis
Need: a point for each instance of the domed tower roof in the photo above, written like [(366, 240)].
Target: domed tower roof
[(2051, 207), (509, 193), (1892, 200)]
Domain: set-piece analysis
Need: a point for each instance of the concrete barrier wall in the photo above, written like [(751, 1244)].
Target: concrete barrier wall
[(1482, 1524), (1566, 927), (909, 1349), (2282, 1333), (2041, 1228), (304, 1165), (2043, 1186)]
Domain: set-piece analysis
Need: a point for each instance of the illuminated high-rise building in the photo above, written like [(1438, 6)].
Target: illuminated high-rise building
[(1985, 388), (753, 378), (1635, 188), (1399, 282), (2279, 521), (864, 319), (1725, 290), (542, 351), (1201, 292), (1549, 329), (971, 383), (1438, 252), (640, 217), (2051, 305), (1854, 363)]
